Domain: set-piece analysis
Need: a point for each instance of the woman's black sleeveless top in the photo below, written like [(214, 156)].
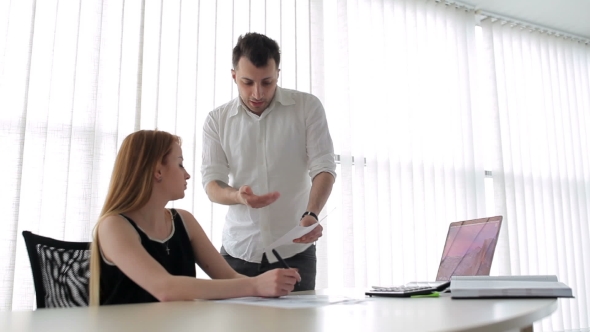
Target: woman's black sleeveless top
[(175, 254)]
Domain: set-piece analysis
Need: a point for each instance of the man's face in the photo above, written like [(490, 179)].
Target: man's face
[(256, 86)]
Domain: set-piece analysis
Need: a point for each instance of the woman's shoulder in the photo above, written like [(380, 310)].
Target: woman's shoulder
[(189, 221), (186, 218), (115, 223), (184, 214), (114, 220)]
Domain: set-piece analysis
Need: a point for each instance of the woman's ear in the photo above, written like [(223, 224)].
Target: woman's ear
[(158, 173)]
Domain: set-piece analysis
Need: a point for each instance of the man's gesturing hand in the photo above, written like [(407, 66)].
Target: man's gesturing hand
[(248, 198)]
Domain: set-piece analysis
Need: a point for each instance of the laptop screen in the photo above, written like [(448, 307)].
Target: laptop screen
[(469, 248)]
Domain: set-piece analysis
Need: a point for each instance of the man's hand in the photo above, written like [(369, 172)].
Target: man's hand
[(312, 236), (246, 196)]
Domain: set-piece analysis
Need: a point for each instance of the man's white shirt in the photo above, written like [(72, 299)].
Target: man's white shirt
[(280, 150)]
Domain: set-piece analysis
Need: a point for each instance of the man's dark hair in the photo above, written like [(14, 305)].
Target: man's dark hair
[(257, 48)]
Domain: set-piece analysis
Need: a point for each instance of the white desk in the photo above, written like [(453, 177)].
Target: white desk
[(375, 314)]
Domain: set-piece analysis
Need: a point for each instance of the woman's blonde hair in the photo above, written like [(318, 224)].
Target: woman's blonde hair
[(130, 187)]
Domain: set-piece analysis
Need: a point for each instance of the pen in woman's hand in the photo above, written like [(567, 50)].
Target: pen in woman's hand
[(281, 260)]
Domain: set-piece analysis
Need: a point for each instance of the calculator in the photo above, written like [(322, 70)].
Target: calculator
[(400, 291)]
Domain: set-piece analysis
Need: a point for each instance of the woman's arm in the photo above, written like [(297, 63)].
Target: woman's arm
[(208, 258), (121, 245)]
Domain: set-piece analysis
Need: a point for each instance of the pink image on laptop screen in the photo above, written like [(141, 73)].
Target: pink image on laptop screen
[(469, 248)]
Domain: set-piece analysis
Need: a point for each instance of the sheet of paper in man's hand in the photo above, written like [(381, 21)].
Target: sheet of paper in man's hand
[(288, 238)]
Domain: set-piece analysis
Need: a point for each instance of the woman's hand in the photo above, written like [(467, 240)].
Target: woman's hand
[(275, 283)]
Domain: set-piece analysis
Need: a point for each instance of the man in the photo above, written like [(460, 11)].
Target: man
[(267, 154)]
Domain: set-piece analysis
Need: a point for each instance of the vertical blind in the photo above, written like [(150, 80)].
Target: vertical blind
[(398, 96), (538, 99), (408, 111)]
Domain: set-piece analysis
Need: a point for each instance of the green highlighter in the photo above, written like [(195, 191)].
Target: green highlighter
[(433, 294)]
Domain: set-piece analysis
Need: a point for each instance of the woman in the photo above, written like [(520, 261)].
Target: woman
[(143, 252)]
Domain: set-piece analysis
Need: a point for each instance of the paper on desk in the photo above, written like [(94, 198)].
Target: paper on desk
[(288, 238), (294, 301)]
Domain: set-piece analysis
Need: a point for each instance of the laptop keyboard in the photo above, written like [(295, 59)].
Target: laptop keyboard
[(400, 291)]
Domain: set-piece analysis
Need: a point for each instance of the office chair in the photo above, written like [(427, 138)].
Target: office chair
[(61, 271)]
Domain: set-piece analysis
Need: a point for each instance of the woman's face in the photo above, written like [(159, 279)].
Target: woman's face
[(174, 175)]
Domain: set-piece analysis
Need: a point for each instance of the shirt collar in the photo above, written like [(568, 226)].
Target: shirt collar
[(282, 97)]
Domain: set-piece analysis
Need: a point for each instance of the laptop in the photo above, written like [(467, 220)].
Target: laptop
[(468, 251)]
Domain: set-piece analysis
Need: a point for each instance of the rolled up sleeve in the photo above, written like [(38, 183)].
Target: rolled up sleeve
[(214, 164), (320, 148)]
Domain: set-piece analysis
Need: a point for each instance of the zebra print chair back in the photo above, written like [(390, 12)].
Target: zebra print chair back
[(61, 271)]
